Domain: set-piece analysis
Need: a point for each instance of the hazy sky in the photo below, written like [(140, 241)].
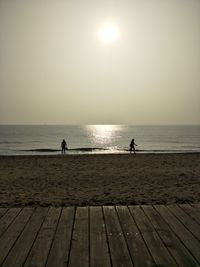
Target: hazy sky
[(56, 65)]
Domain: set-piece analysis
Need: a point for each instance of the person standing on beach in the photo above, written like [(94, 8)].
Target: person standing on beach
[(132, 146), (63, 146)]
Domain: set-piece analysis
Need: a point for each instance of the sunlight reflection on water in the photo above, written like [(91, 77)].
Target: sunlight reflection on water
[(104, 134)]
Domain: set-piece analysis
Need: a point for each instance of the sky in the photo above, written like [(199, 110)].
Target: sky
[(100, 62)]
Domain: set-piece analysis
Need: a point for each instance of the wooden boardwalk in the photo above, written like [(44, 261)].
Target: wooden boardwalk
[(108, 236)]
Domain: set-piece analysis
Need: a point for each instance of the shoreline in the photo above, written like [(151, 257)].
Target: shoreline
[(102, 154), (99, 179)]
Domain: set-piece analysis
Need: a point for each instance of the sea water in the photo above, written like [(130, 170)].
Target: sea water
[(87, 139)]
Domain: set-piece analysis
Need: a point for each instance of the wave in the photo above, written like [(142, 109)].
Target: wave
[(107, 150), (87, 149), (72, 150), (10, 142), (84, 149), (41, 150)]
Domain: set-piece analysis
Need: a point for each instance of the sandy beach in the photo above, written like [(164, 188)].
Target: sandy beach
[(66, 180)]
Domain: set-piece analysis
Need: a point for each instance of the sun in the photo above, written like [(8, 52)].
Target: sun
[(108, 33)]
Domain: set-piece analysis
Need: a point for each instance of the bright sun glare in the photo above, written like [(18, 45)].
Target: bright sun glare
[(108, 33)]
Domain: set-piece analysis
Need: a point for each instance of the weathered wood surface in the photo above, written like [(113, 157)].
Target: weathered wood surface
[(109, 236)]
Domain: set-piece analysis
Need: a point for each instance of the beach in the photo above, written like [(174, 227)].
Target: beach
[(103, 179)]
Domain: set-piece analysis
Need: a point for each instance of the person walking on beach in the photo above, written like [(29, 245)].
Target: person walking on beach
[(132, 146), (63, 146)]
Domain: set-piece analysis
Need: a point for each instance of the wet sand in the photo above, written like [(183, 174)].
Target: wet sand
[(66, 180)]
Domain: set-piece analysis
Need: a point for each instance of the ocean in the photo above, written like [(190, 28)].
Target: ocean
[(92, 139)]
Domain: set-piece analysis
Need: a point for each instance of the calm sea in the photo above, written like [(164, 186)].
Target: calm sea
[(46, 139)]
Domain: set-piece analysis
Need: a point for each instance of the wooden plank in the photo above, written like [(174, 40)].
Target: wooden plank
[(137, 247), (184, 234), (158, 250), (59, 252), (188, 221), (40, 250), (192, 211), (79, 254), (99, 253), (118, 247), (13, 232), (24, 243), (7, 219), (3, 211), (170, 240)]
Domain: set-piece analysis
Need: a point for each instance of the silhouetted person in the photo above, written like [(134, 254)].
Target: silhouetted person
[(132, 146), (63, 146)]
